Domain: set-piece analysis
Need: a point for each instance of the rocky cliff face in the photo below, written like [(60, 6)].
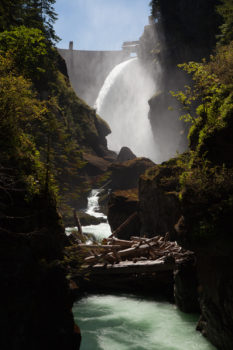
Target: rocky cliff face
[(187, 29), (125, 175), (36, 299), (122, 205), (123, 201), (183, 31), (197, 215), (161, 210), (215, 293), (85, 132), (158, 199)]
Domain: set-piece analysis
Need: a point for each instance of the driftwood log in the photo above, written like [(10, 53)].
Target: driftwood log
[(146, 252), (77, 223)]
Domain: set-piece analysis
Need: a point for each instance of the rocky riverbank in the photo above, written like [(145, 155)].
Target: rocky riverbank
[(204, 282), (36, 298)]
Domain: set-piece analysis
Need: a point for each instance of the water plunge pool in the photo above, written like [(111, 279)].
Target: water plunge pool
[(120, 322)]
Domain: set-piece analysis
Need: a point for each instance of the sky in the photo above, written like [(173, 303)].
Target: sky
[(100, 24)]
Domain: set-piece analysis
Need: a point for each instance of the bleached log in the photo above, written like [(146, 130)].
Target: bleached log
[(121, 242), (127, 267), (133, 252), (130, 252), (115, 250), (152, 254), (77, 222), (100, 247)]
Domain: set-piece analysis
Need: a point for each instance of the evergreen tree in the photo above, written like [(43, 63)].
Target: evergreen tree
[(38, 14), (41, 14), (10, 13), (226, 11), (155, 9), (32, 54)]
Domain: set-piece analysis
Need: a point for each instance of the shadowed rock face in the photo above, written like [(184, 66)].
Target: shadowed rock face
[(36, 299), (125, 175), (185, 285), (159, 204), (123, 202), (121, 205), (185, 31), (160, 209), (125, 154)]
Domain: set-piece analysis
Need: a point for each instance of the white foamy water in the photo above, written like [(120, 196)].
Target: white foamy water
[(109, 81), (123, 103), (93, 205), (128, 323), (101, 230)]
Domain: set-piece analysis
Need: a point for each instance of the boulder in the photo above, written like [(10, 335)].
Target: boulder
[(125, 175), (158, 197), (85, 219), (121, 205), (95, 165), (125, 154)]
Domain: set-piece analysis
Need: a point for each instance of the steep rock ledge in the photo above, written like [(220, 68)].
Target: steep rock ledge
[(210, 273), (216, 302), (158, 199), (36, 298), (125, 175), (123, 200), (121, 205)]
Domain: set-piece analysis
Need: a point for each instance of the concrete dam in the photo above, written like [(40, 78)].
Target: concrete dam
[(88, 69), (118, 86)]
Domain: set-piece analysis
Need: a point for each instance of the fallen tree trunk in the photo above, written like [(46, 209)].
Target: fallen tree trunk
[(131, 267), (129, 253), (117, 241), (77, 222), (100, 247), (115, 250)]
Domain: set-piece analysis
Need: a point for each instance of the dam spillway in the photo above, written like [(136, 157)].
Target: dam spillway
[(123, 103), (88, 70)]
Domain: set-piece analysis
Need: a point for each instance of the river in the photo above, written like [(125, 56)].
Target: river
[(129, 322)]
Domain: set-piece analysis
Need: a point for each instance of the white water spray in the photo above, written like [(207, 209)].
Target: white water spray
[(123, 103), (101, 230), (93, 204), (108, 83)]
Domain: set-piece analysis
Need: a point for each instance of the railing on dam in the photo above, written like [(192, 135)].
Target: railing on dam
[(89, 69)]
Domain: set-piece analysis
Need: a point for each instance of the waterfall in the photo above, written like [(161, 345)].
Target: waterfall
[(123, 103), (93, 204), (99, 231)]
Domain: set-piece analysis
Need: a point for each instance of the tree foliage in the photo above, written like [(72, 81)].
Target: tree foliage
[(32, 54), (10, 13), (206, 181), (19, 109), (155, 9), (38, 14), (226, 12)]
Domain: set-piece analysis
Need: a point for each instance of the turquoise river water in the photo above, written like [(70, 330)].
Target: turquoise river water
[(111, 322), (126, 322)]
